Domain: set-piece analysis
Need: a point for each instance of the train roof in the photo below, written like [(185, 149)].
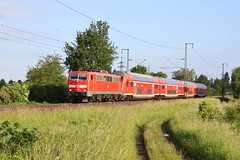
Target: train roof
[(168, 81), (200, 85), (136, 76)]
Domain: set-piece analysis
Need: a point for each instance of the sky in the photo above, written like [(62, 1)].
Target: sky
[(155, 32)]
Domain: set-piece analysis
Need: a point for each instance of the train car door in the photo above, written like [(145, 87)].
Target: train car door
[(92, 82), (134, 88)]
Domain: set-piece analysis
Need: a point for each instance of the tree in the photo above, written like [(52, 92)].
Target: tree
[(217, 86), (159, 74), (235, 83), (180, 74), (2, 82), (226, 80), (92, 49), (139, 69), (48, 71), (202, 79), (47, 80)]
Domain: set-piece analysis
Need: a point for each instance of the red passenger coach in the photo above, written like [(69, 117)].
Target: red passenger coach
[(137, 86), (93, 86)]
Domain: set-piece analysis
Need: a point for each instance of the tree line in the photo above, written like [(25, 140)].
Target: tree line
[(92, 49)]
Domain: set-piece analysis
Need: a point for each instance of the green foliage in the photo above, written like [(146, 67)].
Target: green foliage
[(202, 79), (232, 115), (2, 82), (4, 97), (14, 92), (48, 71), (49, 93), (14, 141), (235, 83), (92, 49), (139, 69), (206, 111), (159, 74), (47, 80), (179, 74)]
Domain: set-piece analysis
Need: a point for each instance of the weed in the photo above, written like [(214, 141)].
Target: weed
[(14, 140), (206, 111)]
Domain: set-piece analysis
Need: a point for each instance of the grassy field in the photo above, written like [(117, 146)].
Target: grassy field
[(91, 132), (210, 139), (110, 132)]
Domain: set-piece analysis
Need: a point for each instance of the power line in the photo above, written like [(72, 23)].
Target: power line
[(204, 59), (39, 22), (31, 33), (30, 40), (116, 30), (30, 44)]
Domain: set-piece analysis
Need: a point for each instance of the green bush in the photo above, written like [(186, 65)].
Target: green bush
[(17, 92), (206, 111), (14, 141), (48, 93), (232, 115), (4, 97)]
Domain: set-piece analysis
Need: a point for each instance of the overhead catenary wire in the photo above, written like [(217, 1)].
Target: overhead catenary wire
[(30, 40), (38, 35), (205, 59), (116, 30), (30, 44), (39, 22)]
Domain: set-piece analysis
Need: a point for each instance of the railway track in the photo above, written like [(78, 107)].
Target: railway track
[(70, 105)]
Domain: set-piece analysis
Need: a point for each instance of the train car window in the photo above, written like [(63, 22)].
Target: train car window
[(115, 79), (163, 86), (110, 79), (127, 84), (99, 78), (91, 77), (156, 86), (149, 91), (139, 91), (131, 84)]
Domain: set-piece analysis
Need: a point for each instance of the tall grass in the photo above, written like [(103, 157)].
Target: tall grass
[(207, 140), (90, 133), (157, 145)]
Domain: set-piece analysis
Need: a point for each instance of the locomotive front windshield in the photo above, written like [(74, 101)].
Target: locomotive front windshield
[(78, 76)]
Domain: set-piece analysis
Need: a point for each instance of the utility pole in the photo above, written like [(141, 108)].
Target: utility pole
[(121, 65), (186, 72), (223, 85), (127, 58)]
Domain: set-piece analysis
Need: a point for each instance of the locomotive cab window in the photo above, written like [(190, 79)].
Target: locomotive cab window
[(76, 76)]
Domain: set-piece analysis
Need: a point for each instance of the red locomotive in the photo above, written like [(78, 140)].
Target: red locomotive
[(102, 86)]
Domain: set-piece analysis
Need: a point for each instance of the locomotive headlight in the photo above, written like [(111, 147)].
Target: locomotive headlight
[(81, 86)]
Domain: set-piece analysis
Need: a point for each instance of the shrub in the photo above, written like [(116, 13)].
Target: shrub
[(48, 93), (14, 140), (206, 111), (17, 92), (4, 97)]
